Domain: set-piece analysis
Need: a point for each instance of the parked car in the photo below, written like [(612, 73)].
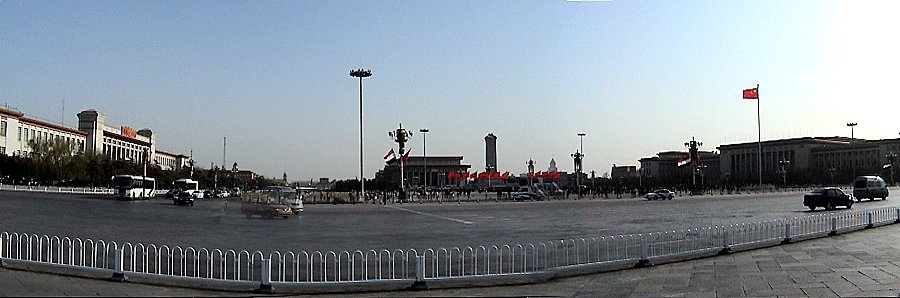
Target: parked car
[(828, 198), (660, 194), (869, 187), (183, 198)]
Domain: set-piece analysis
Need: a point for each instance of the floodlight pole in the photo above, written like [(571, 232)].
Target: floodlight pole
[(361, 73)]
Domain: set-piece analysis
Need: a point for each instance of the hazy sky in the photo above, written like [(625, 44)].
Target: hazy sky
[(638, 77)]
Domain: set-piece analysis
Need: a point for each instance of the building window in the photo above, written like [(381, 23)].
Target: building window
[(3, 129), (20, 134)]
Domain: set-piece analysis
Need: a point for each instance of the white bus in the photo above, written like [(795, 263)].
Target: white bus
[(128, 187), (190, 186)]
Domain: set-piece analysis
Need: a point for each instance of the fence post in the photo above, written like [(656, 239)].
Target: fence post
[(419, 284), (870, 224), (645, 261), (726, 246), (787, 234), (265, 283), (833, 226), (118, 261)]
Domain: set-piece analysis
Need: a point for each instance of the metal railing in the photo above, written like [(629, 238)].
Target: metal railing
[(489, 261), (56, 189)]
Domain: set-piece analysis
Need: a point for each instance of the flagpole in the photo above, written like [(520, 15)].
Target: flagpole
[(759, 131)]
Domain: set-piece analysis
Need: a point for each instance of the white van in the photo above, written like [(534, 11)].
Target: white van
[(869, 187)]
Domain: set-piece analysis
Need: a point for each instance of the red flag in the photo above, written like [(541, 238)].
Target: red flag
[(406, 156), (390, 157), (684, 162), (473, 175), (451, 175), (751, 93), (505, 175)]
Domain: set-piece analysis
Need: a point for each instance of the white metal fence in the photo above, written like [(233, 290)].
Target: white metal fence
[(484, 262), (56, 189)]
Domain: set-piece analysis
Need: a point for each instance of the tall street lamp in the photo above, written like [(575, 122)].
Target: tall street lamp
[(424, 131), (852, 157), (361, 73), (580, 161)]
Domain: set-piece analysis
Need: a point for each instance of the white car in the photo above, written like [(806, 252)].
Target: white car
[(660, 194)]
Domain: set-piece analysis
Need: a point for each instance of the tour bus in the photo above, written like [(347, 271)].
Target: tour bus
[(128, 187), (190, 186)]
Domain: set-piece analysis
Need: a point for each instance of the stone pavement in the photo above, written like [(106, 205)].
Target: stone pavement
[(863, 263)]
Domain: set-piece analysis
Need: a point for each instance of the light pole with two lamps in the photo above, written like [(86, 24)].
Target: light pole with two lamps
[(783, 164)]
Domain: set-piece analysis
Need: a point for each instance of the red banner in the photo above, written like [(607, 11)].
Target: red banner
[(751, 93)]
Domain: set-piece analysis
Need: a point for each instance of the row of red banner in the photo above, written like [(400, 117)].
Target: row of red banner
[(495, 175)]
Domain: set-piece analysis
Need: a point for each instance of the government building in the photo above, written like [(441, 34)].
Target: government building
[(92, 136)]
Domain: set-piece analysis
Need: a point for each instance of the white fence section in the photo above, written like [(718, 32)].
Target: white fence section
[(55, 189), (437, 264)]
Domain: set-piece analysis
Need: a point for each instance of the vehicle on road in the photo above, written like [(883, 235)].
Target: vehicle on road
[(828, 198), (183, 198), (128, 187), (265, 203), (189, 185), (287, 196), (660, 194), (869, 187), (528, 193)]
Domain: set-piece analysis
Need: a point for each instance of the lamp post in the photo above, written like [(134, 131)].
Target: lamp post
[(361, 73), (530, 165), (852, 157), (580, 161), (401, 136), (424, 131), (701, 169), (783, 164), (693, 151), (891, 158)]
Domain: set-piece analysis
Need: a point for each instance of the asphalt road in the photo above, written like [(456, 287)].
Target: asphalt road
[(218, 223)]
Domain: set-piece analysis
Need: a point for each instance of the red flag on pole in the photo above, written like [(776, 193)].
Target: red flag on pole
[(751, 93)]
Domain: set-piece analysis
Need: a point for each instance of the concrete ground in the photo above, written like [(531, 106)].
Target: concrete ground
[(864, 263)]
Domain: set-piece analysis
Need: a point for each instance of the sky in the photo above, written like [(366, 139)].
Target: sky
[(637, 77)]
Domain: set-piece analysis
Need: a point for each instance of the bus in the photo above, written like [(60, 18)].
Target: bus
[(128, 187), (190, 186)]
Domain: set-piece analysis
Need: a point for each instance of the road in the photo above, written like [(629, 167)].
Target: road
[(218, 223)]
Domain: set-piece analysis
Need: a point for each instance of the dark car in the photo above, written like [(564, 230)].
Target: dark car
[(183, 198), (828, 198)]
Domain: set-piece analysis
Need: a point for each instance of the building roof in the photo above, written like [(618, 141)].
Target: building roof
[(794, 141), (52, 126)]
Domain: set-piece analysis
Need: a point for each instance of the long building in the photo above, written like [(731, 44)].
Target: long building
[(92, 136), (416, 168), (807, 159)]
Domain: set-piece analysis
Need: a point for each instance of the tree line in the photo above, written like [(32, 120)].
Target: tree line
[(56, 162)]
